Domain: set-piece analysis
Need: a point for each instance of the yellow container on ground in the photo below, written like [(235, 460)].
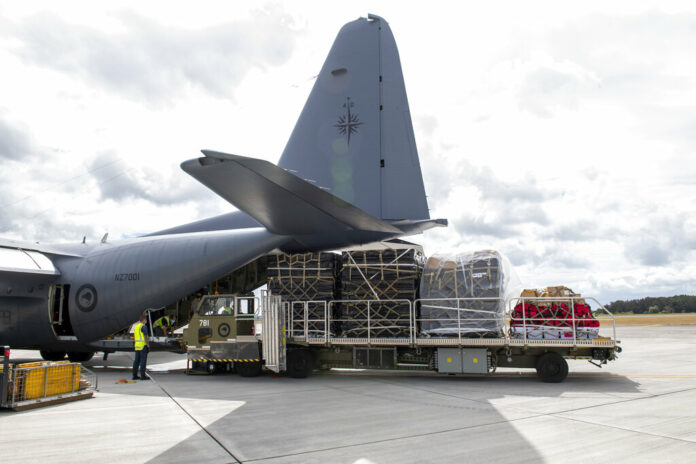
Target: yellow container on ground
[(38, 380)]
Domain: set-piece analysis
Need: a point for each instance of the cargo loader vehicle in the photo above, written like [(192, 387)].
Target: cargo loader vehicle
[(296, 338)]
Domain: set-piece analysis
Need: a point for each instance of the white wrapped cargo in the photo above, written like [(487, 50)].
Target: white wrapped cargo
[(465, 294)]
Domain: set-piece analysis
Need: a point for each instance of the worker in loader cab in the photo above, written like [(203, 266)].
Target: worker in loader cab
[(141, 339)]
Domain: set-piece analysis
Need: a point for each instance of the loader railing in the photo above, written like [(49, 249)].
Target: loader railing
[(424, 321), (568, 326)]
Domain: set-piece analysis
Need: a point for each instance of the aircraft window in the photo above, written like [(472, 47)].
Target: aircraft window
[(246, 306), (217, 306)]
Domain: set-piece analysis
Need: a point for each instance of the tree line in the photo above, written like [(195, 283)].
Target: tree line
[(655, 305)]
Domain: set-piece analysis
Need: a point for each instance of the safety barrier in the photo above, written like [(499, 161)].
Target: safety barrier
[(468, 321)]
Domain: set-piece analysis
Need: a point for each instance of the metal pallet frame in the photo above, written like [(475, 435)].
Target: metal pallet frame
[(414, 340)]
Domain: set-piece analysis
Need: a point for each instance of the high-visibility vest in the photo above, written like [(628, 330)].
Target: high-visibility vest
[(139, 336), (163, 321)]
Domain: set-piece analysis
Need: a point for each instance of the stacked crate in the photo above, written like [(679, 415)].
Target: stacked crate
[(463, 296), (564, 316), (304, 277), (384, 275)]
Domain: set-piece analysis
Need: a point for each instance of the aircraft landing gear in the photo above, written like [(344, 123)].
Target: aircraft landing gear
[(52, 355), (81, 357)]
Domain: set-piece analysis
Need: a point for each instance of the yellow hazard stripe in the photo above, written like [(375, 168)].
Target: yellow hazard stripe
[(224, 360)]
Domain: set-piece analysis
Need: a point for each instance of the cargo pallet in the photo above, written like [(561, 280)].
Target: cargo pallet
[(31, 385), (295, 340)]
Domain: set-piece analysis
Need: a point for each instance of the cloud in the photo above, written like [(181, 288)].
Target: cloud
[(578, 231), (118, 181), (666, 240), (545, 88), (489, 205), (149, 61), (14, 143)]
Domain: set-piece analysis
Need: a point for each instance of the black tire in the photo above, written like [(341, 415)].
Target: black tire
[(52, 355), (552, 368), (300, 364), (80, 357), (248, 369)]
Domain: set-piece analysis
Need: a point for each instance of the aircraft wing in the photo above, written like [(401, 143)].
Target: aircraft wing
[(17, 261), (59, 250), (279, 200)]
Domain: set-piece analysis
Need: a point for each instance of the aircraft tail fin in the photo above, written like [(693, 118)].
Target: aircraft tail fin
[(354, 136), (279, 200)]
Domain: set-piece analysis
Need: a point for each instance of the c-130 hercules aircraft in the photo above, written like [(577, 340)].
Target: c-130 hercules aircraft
[(349, 175)]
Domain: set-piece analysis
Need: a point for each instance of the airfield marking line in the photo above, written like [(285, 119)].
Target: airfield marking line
[(385, 440), (485, 402), (573, 419), (507, 421), (419, 402), (627, 400), (194, 419)]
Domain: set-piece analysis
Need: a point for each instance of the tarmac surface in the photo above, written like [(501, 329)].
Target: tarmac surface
[(640, 408)]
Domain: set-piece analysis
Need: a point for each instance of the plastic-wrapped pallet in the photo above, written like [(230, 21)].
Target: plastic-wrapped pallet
[(544, 318), (385, 275), (465, 294), (304, 277)]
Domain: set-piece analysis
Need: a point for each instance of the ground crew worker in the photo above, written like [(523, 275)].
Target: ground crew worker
[(162, 326), (142, 347)]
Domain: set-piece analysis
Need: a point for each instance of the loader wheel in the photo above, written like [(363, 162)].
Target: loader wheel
[(552, 368), (80, 357), (248, 369), (52, 355), (300, 364)]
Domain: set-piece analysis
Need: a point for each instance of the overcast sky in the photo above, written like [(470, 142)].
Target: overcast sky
[(562, 134)]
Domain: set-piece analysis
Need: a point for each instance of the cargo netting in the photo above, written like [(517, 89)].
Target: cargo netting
[(305, 277), (385, 275), (552, 313), (464, 295)]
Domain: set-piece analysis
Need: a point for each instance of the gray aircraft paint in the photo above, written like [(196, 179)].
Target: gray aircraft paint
[(332, 192), (361, 76), (319, 152)]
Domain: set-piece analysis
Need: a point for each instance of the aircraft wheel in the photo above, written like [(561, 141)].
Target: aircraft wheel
[(552, 368), (249, 369), (300, 364), (80, 357), (52, 355)]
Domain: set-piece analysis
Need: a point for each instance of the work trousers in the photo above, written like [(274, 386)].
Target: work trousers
[(140, 361)]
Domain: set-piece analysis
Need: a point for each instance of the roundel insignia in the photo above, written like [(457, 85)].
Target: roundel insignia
[(224, 329), (86, 297)]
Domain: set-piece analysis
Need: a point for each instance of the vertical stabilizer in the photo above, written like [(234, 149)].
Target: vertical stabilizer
[(354, 136)]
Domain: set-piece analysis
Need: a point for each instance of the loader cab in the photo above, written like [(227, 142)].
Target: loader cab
[(220, 318)]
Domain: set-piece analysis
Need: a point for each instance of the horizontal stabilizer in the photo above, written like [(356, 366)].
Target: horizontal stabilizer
[(279, 200)]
